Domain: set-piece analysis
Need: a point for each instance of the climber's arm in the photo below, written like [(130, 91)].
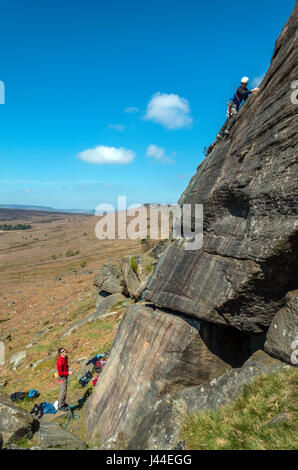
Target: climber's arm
[(249, 93)]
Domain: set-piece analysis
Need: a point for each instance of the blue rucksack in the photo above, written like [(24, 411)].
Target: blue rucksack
[(48, 408), (33, 393)]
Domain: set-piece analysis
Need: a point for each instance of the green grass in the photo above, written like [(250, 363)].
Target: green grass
[(23, 442), (244, 424), (40, 348), (133, 265), (71, 253), (97, 330), (83, 308), (117, 304), (46, 364), (149, 268), (27, 403), (91, 338)]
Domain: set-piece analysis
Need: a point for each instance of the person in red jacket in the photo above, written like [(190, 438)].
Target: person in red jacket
[(63, 372)]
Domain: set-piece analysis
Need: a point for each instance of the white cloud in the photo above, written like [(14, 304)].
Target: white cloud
[(169, 110), (256, 81), (107, 155), (158, 153), (27, 190), (131, 110), (117, 127)]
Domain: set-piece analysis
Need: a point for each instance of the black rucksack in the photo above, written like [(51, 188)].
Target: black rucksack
[(17, 396), (85, 379)]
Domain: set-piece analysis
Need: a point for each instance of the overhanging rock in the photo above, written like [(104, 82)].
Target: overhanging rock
[(156, 353), (248, 187)]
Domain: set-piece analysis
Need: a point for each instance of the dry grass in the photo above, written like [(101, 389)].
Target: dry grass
[(44, 291), (33, 298)]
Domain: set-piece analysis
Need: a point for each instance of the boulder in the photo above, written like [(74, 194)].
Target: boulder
[(101, 296), (161, 428), (17, 359), (228, 387), (110, 279), (157, 353), (131, 279), (103, 308), (157, 250), (4, 398), (106, 305), (15, 423), (36, 363), (52, 435), (283, 331), (282, 417), (40, 333), (144, 265), (136, 271), (248, 188)]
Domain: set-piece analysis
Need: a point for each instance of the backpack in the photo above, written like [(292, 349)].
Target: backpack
[(99, 365), (48, 408), (17, 396), (33, 393), (37, 410), (95, 381), (85, 379)]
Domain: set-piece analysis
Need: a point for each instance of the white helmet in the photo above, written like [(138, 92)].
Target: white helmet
[(245, 80)]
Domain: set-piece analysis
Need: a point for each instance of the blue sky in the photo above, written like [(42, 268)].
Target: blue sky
[(120, 97)]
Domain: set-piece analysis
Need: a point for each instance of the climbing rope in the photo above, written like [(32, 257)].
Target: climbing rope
[(110, 359), (71, 407), (70, 411)]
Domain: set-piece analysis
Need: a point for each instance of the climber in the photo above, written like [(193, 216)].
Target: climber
[(241, 94), (63, 372)]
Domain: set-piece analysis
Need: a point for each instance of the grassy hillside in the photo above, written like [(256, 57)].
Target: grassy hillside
[(91, 339), (246, 423), (43, 291), (46, 286)]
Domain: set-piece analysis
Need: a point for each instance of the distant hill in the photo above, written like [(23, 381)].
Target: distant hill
[(36, 216), (45, 208)]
